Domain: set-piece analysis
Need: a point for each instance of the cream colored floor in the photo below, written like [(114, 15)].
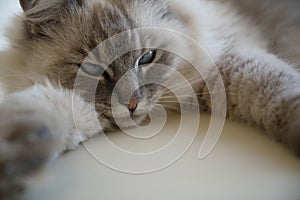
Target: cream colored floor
[(245, 165)]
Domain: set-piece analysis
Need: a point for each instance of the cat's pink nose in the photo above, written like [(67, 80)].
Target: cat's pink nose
[(133, 103)]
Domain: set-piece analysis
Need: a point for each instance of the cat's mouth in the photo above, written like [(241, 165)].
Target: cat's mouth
[(130, 121)]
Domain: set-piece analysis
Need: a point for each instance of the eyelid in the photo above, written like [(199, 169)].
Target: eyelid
[(145, 53), (107, 72)]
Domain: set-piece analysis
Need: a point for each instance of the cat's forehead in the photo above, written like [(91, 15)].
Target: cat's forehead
[(73, 30), (97, 23), (110, 19), (106, 18), (97, 19)]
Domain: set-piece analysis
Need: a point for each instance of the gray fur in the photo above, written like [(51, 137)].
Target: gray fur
[(259, 67)]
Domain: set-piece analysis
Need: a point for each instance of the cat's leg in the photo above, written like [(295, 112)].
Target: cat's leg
[(36, 125), (263, 90)]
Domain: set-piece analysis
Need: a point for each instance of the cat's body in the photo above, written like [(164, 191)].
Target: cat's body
[(255, 45)]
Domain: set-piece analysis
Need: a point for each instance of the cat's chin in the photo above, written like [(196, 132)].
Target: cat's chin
[(130, 121)]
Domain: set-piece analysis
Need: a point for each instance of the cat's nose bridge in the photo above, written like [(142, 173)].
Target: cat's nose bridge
[(134, 100), (129, 92)]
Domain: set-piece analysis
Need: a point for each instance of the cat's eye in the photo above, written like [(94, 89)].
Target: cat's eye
[(147, 58), (93, 69)]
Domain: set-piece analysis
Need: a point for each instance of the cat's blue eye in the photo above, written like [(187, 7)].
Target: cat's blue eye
[(147, 58), (92, 69)]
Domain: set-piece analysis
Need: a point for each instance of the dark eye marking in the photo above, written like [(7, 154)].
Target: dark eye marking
[(147, 58), (94, 70)]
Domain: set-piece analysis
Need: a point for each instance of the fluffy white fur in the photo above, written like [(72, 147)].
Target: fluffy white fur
[(256, 48), (217, 25)]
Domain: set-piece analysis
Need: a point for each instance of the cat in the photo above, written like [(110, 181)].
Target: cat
[(255, 45)]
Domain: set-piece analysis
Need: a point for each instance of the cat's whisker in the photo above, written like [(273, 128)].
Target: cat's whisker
[(178, 107), (194, 94), (183, 85), (155, 111), (180, 85), (189, 103), (171, 107)]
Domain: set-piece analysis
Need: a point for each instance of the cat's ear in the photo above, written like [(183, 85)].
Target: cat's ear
[(26, 4), (43, 16)]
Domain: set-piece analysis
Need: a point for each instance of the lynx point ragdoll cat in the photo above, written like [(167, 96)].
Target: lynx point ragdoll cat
[(255, 45)]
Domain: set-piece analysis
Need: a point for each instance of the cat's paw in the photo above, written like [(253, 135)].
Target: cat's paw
[(29, 138)]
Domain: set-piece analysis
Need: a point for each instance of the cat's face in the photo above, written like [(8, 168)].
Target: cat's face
[(62, 34)]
